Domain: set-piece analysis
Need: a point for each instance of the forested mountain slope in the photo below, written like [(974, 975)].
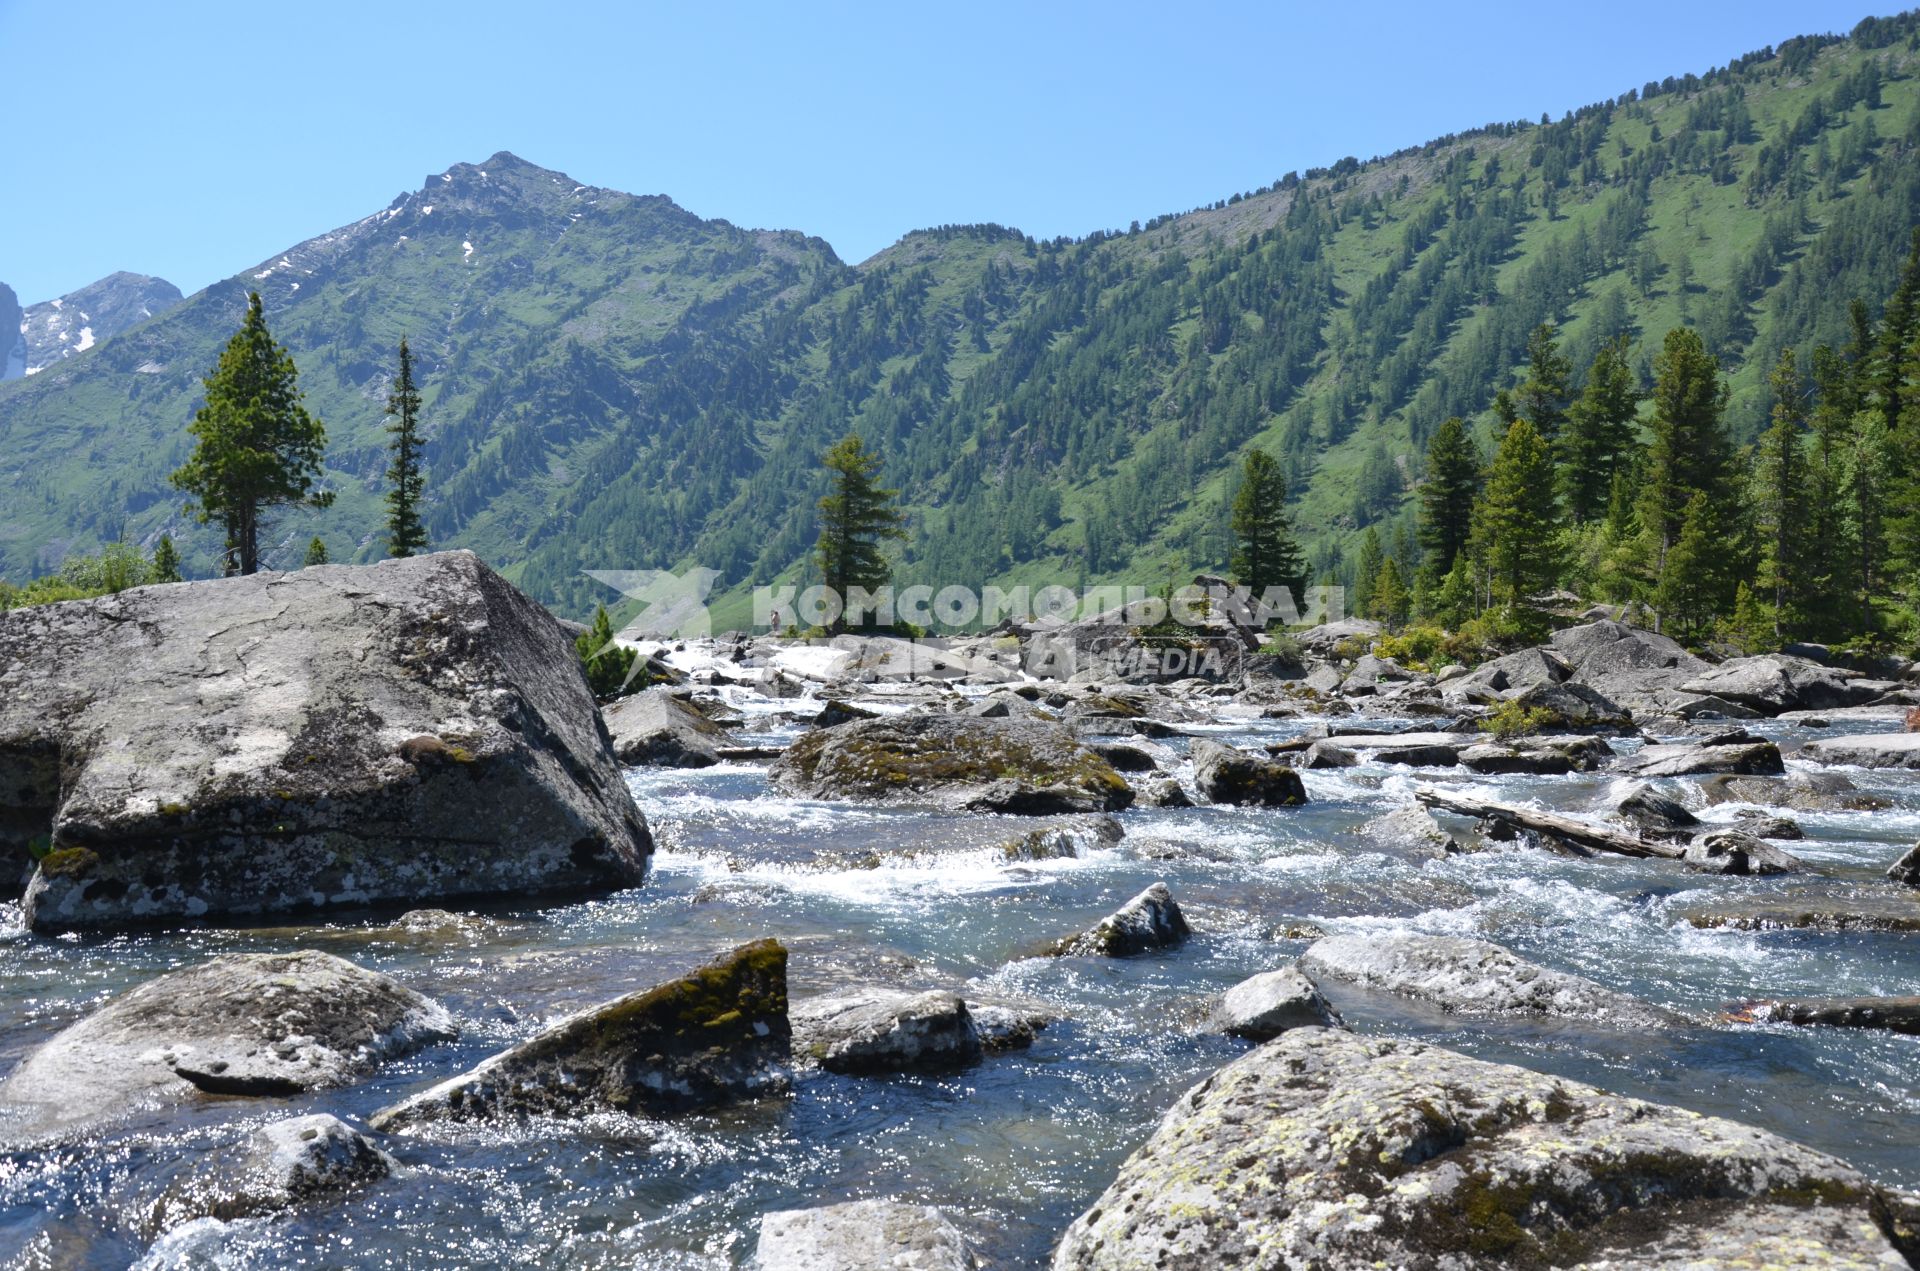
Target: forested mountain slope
[(612, 382)]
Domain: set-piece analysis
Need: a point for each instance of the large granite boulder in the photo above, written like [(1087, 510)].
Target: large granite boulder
[(1226, 775), (1772, 683), (716, 1035), (655, 727), (341, 735), (1473, 977), (1002, 765), (1324, 1149), (1734, 755), (1868, 750), (1508, 676), (1268, 1004), (861, 1235), (1639, 670), (871, 1030), (256, 1024), (285, 1163)]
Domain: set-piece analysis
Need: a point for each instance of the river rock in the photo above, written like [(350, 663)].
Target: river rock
[(1829, 909), (1324, 1149), (1473, 977), (714, 1036), (1003, 1027), (1763, 825), (1653, 814), (241, 1024), (1226, 775), (1412, 830), (1268, 1004), (1747, 756), (1165, 792), (1801, 791), (884, 1030), (1575, 708), (1868, 750), (1066, 840), (1772, 683), (1538, 755), (1507, 676), (656, 728), (1906, 870), (1735, 852), (1638, 670), (278, 1166), (340, 735), (1151, 920), (1024, 766), (840, 711), (862, 1235), (1325, 754), (1894, 1014)]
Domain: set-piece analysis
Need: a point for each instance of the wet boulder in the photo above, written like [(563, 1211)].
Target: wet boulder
[(286, 1163), (1763, 825), (258, 1024), (862, 1235), (1893, 1014), (717, 1035), (658, 729), (998, 765), (1473, 977), (1509, 676), (1867, 750), (1538, 755), (1325, 1149), (1824, 908), (1266, 1005), (1574, 708), (840, 711), (1735, 852), (1801, 791), (1004, 1026), (871, 1030), (403, 732), (1906, 870), (1409, 830), (1639, 670), (1653, 814), (1165, 792), (1736, 754), (1325, 754), (1772, 683), (1152, 920), (1226, 775), (1066, 840)]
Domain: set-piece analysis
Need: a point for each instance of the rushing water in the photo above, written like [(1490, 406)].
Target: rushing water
[(1019, 1145)]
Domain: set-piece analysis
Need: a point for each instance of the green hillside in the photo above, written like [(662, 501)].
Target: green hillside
[(612, 382)]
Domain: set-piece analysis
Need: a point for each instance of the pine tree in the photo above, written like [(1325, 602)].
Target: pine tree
[(316, 552), (1516, 525), (1690, 453), (166, 562), (1391, 600), (1366, 573), (608, 666), (406, 535), (1447, 492), (258, 448), (1688, 597), (1779, 494), (1864, 473), (1755, 626), (1265, 553), (1453, 606), (1599, 432), (1541, 398), (854, 520)]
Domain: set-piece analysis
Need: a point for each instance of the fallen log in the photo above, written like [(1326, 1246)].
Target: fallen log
[(748, 754), (1896, 1014), (1580, 835)]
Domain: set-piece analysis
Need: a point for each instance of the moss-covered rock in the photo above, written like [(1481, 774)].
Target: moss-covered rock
[(1226, 775), (1323, 1149), (1001, 765), (716, 1035)]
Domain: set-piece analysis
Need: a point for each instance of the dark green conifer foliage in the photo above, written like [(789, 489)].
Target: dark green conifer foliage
[(406, 534), (316, 552), (856, 517), (166, 561), (1599, 432), (258, 448), (1779, 496), (607, 665), (1689, 595), (1541, 398), (1447, 492), (1690, 453), (1516, 526), (1265, 553), (1366, 574)]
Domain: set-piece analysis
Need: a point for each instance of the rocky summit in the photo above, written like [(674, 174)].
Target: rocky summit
[(414, 730)]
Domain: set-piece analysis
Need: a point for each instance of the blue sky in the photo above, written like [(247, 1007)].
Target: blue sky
[(193, 140)]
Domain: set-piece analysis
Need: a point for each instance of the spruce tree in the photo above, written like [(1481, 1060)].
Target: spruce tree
[(406, 535), (316, 552), (166, 562), (1366, 574), (1541, 398), (1690, 453), (1391, 600), (1688, 597), (1516, 526), (258, 448), (608, 666), (1265, 553), (855, 518), (1779, 495), (1599, 432), (1447, 492)]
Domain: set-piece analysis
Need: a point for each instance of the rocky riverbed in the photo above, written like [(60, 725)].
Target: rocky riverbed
[(965, 1041)]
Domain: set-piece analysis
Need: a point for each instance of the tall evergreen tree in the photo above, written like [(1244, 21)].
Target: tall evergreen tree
[(166, 561), (1779, 495), (258, 448), (406, 535), (1599, 432), (1690, 453), (1265, 553), (855, 518), (1541, 398), (1366, 573), (1688, 597), (1516, 526), (316, 552), (1447, 492)]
